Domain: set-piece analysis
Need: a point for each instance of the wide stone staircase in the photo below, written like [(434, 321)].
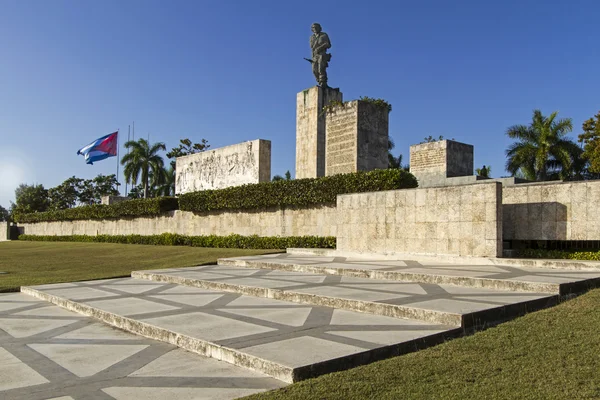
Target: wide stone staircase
[(301, 314)]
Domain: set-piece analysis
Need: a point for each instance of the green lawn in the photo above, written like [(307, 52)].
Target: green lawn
[(35, 263), (550, 354)]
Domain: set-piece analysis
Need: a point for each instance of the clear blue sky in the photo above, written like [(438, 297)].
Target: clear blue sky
[(228, 71)]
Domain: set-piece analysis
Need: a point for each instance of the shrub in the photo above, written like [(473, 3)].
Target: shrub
[(298, 192), (560, 254), (130, 208), (174, 239)]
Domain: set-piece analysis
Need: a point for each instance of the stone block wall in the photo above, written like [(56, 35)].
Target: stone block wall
[(235, 165), (310, 130), (4, 231), (432, 163), (319, 221), (357, 138), (108, 200), (552, 211), (458, 220)]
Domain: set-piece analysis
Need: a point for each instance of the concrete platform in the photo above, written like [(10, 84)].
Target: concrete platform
[(498, 277), (47, 352), (284, 340), (435, 303)]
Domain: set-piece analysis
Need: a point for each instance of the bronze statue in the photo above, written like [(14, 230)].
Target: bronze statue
[(319, 43)]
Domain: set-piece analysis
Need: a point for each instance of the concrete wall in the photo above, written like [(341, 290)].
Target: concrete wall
[(310, 130), (552, 211), (432, 163), (108, 200), (235, 165), (320, 221), (357, 138), (4, 231), (458, 220)]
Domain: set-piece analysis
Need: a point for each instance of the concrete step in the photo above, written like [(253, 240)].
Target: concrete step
[(497, 277), (450, 259), (284, 340), (439, 304)]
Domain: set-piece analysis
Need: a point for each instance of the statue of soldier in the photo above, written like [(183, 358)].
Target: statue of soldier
[(319, 43)]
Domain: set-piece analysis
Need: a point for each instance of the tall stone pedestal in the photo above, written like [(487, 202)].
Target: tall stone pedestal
[(357, 137), (310, 130), (432, 163)]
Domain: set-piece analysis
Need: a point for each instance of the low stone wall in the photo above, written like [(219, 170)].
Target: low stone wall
[(317, 221), (457, 220), (4, 234), (552, 211)]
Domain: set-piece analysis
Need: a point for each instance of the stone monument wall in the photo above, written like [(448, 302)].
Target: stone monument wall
[(310, 130), (318, 221), (457, 220), (239, 164), (432, 163), (4, 231), (357, 138), (108, 200), (552, 211)]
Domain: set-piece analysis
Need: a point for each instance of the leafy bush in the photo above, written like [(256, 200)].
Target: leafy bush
[(560, 254), (298, 192), (130, 208), (174, 239)]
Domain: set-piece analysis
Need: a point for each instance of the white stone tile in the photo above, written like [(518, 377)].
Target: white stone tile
[(293, 352), (20, 328), (386, 337), (161, 393), (133, 289), (206, 326), (291, 316), (50, 311), (16, 374), (349, 293), (98, 331), (86, 359), (196, 299), (79, 293), (130, 306)]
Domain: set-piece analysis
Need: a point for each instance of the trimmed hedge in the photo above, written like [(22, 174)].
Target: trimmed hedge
[(173, 239), (560, 254), (298, 192), (130, 208)]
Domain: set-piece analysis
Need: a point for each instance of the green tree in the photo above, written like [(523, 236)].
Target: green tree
[(186, 148), (30, 199), (542, 151), (393, 161), (288, 175), (4, 214), (141, 160), (92, 190), (591, 143), (165, 185), (66, 194), (277, 178), (484, 172)]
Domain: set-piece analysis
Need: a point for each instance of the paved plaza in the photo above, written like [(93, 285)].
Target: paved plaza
[(47, 352), (250, 324)]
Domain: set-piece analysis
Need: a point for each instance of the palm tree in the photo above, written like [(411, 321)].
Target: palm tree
[(142, 159), (542, 152), (164, 184)]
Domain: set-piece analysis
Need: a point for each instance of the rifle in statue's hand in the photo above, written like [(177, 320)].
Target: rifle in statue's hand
[(309, 60)]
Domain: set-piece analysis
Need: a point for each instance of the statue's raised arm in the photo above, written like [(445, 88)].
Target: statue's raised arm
[(319, 44)]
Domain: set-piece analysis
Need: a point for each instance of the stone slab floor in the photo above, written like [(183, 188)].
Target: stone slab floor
[(47, 352)]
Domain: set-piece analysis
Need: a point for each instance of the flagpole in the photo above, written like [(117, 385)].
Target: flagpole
[(128, 133), (118, 162)]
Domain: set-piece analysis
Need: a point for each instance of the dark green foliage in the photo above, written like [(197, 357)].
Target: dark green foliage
[(560, 254), (30, 199), (298, 192), (125, 209), (379, 103), (173, 239)]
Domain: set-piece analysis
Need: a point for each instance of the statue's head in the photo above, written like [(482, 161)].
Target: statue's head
[(316, 27)]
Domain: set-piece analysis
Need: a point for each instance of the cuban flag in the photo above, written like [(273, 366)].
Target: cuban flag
[(100, 149)]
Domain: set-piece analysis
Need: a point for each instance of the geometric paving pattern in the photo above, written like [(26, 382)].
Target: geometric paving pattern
[(47, 352), (424, 296), (510, 277), (273, 330)]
